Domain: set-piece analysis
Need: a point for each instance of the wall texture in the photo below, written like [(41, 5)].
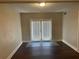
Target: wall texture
[(56, 19), (10, 31), (70, 27)]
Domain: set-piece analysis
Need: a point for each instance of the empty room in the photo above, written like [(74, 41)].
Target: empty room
[(39, 29)]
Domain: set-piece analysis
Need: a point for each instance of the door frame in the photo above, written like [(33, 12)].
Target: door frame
[(41, 34)]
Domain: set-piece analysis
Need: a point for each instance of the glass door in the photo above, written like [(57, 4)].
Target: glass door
[(41, 30), (35, 31), (46, 30)]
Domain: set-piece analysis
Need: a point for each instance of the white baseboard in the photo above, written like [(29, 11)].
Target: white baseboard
[(26, 41), (14, 51), (56, 40), (70, 46)]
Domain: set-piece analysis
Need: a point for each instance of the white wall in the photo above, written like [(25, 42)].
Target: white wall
[(70, 27), (10, 30)]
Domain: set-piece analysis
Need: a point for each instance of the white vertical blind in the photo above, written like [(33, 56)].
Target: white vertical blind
[(41, 30), (46, 30), (35, 31)]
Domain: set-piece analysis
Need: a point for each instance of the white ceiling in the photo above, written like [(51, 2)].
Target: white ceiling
[(50, 7)]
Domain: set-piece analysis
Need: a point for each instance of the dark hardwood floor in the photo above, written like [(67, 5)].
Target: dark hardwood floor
[(45, 50)]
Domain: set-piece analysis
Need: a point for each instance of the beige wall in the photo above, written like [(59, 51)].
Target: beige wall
[(78, 31), (70, 27), (10, 31), (56, 19)]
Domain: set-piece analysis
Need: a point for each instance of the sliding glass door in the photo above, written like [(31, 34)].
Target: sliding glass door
[(46, 30), (41, 30), (35, 31)]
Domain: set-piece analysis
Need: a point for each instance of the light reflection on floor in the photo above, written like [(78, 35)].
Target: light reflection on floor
[(41, 48), (42, 44)]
